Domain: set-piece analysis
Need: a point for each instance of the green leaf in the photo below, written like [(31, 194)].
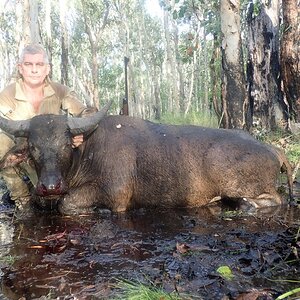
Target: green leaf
[(225, 272)]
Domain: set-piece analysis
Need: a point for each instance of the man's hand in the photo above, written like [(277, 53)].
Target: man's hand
[(77, 140)]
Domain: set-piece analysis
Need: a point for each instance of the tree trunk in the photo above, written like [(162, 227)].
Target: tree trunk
[(157, 106), (25, 35), (214, 77), (178, 68), (266, 101), (31, 28), (35, 33), (233, 79), (174, 92), (290, 56), (80, 85), (64, 44), (94, 64), (48, 42)]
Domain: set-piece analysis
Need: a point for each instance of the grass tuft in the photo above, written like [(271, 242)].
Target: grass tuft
[(129, 290), (7, 260)]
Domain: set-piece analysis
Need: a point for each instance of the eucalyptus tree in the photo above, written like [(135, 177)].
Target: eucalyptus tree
[(139, 39), (266, 99), (31, 26), (234, 99), (131, 33), (8, 42), (95, 15), (172, 61), (290, 56), (64, 41), (195, 52), (206, 15)]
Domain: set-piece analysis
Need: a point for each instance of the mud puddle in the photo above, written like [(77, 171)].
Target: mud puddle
[(54, 257)]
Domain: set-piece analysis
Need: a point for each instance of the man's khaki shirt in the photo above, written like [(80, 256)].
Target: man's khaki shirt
[(58, 99)]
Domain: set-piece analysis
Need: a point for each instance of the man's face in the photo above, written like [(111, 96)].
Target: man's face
[(33, 69)]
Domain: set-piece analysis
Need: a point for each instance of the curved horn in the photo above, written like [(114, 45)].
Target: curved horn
[(15, 128), (82, 125)]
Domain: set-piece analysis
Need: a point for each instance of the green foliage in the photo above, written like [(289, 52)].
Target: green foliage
[(256, 8), (225, 272), (191, 118), (288, 142), (137, 291), (7, 260), (289, 293), (180, 12), (293, 152)]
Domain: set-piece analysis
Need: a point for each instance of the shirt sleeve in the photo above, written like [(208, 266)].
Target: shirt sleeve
[(7, 101), (72, 104)]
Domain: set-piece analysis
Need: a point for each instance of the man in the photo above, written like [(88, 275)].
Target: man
[(32, 94)]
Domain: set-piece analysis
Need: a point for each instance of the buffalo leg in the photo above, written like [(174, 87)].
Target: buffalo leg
[(266, 200), (79, 200)]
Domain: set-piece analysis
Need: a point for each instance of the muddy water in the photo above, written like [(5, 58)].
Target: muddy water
[(82, 257)]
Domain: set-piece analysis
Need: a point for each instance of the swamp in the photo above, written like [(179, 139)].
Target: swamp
[(215, 252)]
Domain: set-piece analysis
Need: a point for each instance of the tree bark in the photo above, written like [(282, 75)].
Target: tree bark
[(268, 110), (64, 45), (35, 34), (290, 56), (25, 35), (214, 77), (174, 91), (48, 42), (31, 28), (157, 106), (233, 78)]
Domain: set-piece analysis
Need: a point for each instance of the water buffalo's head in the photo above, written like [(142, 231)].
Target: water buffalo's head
[(47, 142)]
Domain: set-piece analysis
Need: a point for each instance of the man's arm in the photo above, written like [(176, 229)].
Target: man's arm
[(78, 139)]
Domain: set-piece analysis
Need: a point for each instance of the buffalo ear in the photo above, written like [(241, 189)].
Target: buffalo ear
[(16, 155)]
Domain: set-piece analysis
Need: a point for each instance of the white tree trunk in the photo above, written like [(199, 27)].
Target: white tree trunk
[(233, 79)]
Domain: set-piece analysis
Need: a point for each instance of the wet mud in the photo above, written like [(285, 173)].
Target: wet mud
[(55, 257), (183, 250)]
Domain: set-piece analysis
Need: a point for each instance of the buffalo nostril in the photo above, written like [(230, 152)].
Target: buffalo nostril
[(55, 187), (52, 188)]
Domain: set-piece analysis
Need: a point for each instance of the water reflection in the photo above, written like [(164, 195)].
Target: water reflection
[(80, 257)]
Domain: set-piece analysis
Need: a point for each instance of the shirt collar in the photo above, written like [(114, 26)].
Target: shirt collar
[(20, 95)]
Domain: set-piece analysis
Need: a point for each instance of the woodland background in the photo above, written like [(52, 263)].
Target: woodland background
[(235, 62)]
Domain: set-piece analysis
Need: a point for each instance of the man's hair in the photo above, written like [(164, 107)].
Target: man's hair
[(34, 49)]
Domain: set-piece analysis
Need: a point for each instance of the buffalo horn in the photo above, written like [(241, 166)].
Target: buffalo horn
[(15, 128), (82, 125)]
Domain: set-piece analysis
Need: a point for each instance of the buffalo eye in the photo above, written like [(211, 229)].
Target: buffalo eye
[(32, 148)]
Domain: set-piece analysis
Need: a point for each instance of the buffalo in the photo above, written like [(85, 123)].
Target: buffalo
[(127, 162)]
